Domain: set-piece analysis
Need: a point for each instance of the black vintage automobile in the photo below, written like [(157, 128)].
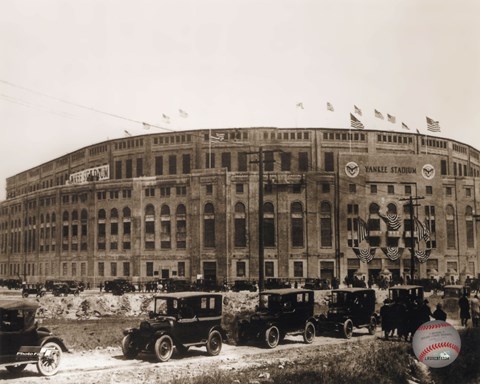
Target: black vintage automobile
[(244, 285), (64, 289), (349, 308), (119, 286), (33, 289), (22, 342), (407, 295), (316, 284), (277, 283), (179, 320), (280, 311), (451, 294)]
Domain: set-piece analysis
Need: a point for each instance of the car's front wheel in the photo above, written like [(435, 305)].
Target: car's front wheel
[(214, 343), (49, 362), (272, 336), (348, 328), (24, 294), (129, 347), (309, 332), (372, 327), (16, 368), (164, 348)]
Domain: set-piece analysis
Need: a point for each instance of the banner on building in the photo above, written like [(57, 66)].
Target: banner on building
[(99, 173)]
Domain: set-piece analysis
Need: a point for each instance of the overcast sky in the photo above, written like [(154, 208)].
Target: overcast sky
[(229, 63)]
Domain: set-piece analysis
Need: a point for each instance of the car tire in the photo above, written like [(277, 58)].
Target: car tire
[(309, 332), (129, 347), (348, 328), (49, 363), (272, 337), (16, 368), (164, 348), (214, 343), (24, 294), (372, 326)]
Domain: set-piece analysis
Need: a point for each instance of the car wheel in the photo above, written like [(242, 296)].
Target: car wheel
[(372, 327), (16, 368), (49, 362), (309, 332), (164, 348), (24, 294), (272, 336), (214, 343), (348, 328), (182, 349), (129, 347), (76, 293)]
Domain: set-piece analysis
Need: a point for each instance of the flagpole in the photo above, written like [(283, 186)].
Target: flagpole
[(426, 143), (350, 138), (210, 148)]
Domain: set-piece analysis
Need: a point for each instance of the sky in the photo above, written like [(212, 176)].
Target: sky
[(75, 73)]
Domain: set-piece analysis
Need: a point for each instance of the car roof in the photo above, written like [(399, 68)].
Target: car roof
[(455, 286), (405, 287), (284, 291), (353, 290), (17, 304), (186, 294)]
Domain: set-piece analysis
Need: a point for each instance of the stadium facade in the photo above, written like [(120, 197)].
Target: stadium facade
[(186, 204)]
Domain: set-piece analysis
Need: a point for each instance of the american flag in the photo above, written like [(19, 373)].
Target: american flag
[(357, 110), (300, 105), (182, 113), (404, 126), (146, 126), (362, 232), (355, 123), (378, 114), (330, 107), (432, 125), (218, 137), (166, 118), (423, 231), (391, 118)]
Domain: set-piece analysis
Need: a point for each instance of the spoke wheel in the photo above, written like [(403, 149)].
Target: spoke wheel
[(49, 362), (164, 348), (348, 329), (129, 347), (309, 332), (272, 337), (214, 343)]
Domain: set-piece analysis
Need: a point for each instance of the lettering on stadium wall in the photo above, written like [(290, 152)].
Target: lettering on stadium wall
[(385, 169), (352, 169), (99, 173)]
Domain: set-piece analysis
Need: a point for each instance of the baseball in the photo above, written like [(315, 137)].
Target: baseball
[(436, 343)]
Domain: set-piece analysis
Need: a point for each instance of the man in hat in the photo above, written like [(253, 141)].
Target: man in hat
[(439, 313)]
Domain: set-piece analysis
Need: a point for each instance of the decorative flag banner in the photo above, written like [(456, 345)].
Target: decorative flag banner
[(393, 221), (182, 113), (432, 125), (330, 107), (300, 105), (423, 231), (365, 254), (393, 253), (379, 114), (166, 118), (404, 126), (418, 132), (362, 232), (391, 118), (127, 133), (218, 137), (357, 110), (146, 126), (423, 255), (355, 123)]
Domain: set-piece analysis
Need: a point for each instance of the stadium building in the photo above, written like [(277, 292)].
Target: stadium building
[(186, 204)]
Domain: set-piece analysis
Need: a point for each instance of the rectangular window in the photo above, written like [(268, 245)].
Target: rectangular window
[(268, 161), (408, 190), (226, 160), (428, 190), (181, 269), (326, 232), (325, 188), (303, 161), (241, 269), (101, 268), (242, 161), (186, 164), (390, 189), (210, 160), (298, 269), (470, 237), (139, 167), (128, 169), (158, 165), (149, 267), (352, 188), (269, 269), (239, 188), (468, 192), (209, 189), (448, 191), (329, 162), (373, 189), (286, 161), (126, 268), (172, 165), (113, 269), (118, 169)]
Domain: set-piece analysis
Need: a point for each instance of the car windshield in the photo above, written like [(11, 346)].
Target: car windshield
[(270, 302), (16, 320), (167, 307), (340, 299), (453, 292)]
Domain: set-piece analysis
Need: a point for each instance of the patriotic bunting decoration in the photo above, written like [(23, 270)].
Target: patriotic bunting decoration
[(355, 123), (423, 255), (365, 254), (393, 253), (362, 231), (393, 221), (432, 125), (423, 231)]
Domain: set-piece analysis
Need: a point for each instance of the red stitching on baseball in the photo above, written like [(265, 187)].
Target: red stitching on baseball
[(433, 326), (432, 347)]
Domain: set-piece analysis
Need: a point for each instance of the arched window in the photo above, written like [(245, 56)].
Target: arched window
[(296, 217), (450, 224), (268, 225), (114, 214), (240, 226), (127, 228), (374, 208), (325, 224), (469, 227), (209, 225), (149, 227), (165, 228), (392, 209), (181, 220)]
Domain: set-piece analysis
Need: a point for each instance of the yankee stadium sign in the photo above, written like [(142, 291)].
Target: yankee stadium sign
[(99, 173), (352, 169)]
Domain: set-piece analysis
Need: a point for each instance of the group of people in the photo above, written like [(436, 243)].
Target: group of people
[(469, 309)]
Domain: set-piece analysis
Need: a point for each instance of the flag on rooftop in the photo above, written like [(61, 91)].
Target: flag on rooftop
[(418, 132), (355, 123), (358, 111), (146, 126), (404, 126), (300, 105), (182, 113), (217, 137), (378, 114), (330, 107), (128, 134), (432, 125), (166, 118), (391, 118)]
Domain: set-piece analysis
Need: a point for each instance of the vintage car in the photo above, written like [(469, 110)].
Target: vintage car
[(33, 289), (244, 285), (178, 285), (316, 284), (179, 320), (408, 295), (277, 283), (451, 294), (279, 312), (22, 342), (349, 308), (119, 286), (65, 289)]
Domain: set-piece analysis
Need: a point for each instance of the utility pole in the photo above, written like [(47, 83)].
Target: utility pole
[(410, 204)]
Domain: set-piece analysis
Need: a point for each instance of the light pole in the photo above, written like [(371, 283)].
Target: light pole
[(410, 204)]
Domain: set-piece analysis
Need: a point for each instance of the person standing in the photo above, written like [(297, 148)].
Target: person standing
[(464, 305), (475, 307), (439, 313)]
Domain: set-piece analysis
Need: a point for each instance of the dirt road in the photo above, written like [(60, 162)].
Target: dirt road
[(109, 365)]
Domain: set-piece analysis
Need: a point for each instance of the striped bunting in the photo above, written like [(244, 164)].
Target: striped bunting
[(423, 255), (392, 220), (362, 232), (364, 254), (423, 231), (393, 253)]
